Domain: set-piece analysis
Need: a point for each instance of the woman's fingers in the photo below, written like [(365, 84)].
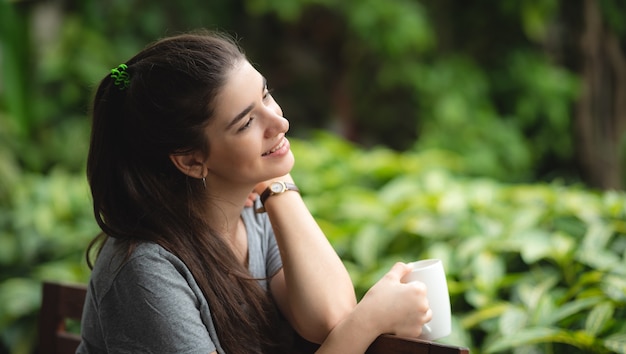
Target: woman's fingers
[(251, 198)]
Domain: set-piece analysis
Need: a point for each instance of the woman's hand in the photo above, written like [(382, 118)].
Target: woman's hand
[(251, 198), (389, 307), (395, 307)]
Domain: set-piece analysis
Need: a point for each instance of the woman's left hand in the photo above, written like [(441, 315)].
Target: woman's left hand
[(251, 198)]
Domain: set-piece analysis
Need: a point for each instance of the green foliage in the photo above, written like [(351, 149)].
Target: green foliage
[(45, 226), (531, 268), (423, 80), (14, 66), (463, 120), (539, 267)]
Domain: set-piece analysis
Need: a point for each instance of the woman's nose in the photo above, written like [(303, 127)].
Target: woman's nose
[(276, 126), (276, 123)]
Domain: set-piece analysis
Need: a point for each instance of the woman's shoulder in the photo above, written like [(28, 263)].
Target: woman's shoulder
[(149, 258), (153, 252), (148, 263), (116, 254)]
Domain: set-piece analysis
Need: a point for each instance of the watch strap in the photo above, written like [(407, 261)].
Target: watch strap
[(268, 193)]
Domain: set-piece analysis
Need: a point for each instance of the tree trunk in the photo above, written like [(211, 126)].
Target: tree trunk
[(601, 111)]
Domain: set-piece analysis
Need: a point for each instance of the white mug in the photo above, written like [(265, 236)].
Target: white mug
[(431, 273)]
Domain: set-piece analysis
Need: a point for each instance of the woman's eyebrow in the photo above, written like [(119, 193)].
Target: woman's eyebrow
[(246, 110), (240, 116)]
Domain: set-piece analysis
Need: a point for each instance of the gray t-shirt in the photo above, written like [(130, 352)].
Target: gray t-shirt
[(152, 304)]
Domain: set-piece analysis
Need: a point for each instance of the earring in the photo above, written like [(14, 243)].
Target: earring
[(204, 182)]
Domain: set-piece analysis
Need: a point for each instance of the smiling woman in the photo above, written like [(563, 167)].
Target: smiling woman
[(184, 133), (254, 126)]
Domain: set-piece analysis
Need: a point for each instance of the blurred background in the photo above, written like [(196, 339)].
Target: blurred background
[(489, 134)]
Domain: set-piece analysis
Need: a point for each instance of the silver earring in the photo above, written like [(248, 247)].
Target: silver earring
[(204, 182)]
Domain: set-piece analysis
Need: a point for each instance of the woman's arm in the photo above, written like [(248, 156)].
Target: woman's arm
[(389, 307), (315, 293), (313, 290)]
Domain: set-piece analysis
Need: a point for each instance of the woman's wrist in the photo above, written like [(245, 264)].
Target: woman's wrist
[(368, 320), (261, 186), (274, 190), (358, 328)]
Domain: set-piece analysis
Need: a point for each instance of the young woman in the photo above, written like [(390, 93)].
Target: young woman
[(182, 133)]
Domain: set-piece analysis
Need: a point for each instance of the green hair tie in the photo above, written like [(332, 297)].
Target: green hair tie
[(121, 77)]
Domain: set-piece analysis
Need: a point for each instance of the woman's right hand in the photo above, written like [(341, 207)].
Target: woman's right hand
[(389, 307), (395, 307)]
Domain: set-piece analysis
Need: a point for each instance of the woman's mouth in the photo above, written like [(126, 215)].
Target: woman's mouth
[(275, 148)]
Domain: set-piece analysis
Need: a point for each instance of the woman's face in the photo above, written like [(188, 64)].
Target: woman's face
[(247, 141)]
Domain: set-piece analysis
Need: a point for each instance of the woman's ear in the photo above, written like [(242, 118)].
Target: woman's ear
[(192, 164)]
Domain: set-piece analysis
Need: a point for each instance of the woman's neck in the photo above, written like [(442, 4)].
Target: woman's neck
[(224, 216)]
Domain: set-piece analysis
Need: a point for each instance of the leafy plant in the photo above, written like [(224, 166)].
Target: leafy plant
[(531, 268), (45, 226)]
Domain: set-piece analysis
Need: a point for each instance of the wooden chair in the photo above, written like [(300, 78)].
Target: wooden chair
[(391, 344), (388, 344), (63, 301), (60, 302)]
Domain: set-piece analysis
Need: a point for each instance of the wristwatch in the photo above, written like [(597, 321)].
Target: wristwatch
[(274, 188)]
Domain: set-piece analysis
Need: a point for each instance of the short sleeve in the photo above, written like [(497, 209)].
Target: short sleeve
[(263, 252), (273, 262)]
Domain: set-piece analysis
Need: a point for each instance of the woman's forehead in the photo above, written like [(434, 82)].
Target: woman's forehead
[(243, 87)]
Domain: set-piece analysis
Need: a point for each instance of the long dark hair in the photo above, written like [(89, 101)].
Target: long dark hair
[(139, 195)]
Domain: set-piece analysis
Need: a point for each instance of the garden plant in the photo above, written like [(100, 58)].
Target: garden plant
[(422, 129)]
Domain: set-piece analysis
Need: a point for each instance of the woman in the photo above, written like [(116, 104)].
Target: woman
[(182, 133)]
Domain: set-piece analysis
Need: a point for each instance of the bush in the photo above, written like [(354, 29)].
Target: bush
[(45, 226), (531, 268)]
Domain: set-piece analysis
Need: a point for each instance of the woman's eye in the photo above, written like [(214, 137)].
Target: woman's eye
[(268, 93), (247, 125)]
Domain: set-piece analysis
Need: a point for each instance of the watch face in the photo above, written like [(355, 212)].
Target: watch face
[(277, 187)]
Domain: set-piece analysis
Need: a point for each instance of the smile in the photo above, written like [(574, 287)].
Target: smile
[(275, 148)]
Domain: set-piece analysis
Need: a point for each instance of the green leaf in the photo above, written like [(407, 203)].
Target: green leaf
[(616, 342), (534, 336), (532, 291), (512, 321), (485, 313), (18, 297), (615, 287), (535, 246), (598, 318), (400, 189), (598, 236), (571, 308), (8, 248), (488, 269), (601, 259), (367, 245)]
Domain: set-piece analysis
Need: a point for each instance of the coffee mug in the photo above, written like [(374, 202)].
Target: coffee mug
[(431, 273)]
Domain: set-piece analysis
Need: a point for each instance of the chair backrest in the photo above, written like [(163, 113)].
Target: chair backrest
[(60, 302), (64, 301), (388, 344)]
